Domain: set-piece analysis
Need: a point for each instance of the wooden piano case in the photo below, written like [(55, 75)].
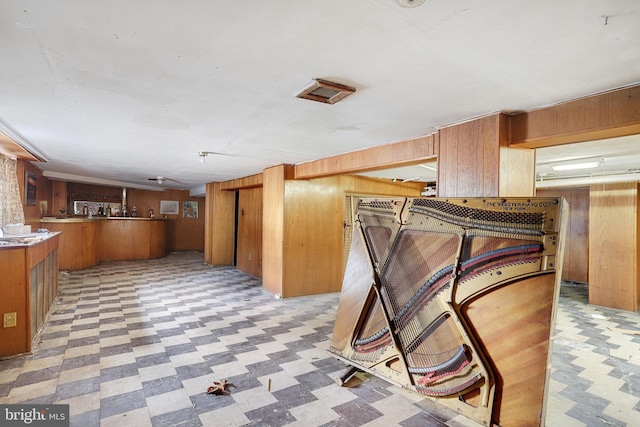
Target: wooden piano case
[(454, 299)]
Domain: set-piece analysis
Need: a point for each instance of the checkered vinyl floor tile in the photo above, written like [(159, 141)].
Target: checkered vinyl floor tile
[(137, 344)]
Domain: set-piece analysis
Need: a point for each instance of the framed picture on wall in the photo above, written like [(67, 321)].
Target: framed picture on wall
[(190, 209), (170, 207), (30, 188)]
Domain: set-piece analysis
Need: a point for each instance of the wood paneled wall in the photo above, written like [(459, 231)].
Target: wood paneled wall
[(14, 296), (313, 233), (58, 198), (249, 236), (614, 238), (273, 243), (475, 160), (576, 251), (183, 234), (601, 116), (131, 239), (79, 245), (32, 214), (410, 151), (219, 225)]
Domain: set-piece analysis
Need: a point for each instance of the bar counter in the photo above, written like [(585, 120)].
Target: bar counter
[(87, 241), (29, 266)]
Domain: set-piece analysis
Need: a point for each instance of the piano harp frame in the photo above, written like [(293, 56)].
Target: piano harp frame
[(478, 379)]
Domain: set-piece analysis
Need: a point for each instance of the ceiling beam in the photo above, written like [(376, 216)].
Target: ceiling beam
[(402, 153), (606, 115)]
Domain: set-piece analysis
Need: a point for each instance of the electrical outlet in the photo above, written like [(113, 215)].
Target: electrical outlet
[(9, 320)]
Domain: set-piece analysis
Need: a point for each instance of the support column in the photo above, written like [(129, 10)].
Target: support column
[(273, 241), (475, 160)]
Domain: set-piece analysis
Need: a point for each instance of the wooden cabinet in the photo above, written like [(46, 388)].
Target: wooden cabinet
[(28, 288)]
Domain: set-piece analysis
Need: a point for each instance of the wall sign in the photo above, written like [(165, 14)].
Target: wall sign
[(190, 209), (30, 187), (170, 207)]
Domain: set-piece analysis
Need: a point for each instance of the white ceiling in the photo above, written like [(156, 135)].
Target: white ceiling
[(126, 90)]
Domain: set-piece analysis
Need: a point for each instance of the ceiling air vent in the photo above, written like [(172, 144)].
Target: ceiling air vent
[(325, 91)]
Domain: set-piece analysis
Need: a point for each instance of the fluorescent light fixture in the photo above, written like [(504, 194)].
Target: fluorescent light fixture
[(587, 180), (431, 168), (575, 166)]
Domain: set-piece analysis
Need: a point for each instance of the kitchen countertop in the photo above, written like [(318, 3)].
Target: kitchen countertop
[(22, 240)]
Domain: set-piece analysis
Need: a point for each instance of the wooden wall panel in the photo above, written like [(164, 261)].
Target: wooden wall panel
[(183, 233), (613, 243), (13, 298), (273, 265), (32, 214), (219, 225), (475, 160), (132, 239), (576, 253), (59, 198), (79, 242), (601, 116), (90, 192), (468, 163), (313, 236), (314, 229), (251, 181), (396, 154), (517, 172), (25, 294), (10, 148), (249, 240)]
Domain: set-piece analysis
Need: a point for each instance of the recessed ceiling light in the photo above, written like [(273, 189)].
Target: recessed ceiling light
[(325, 91)]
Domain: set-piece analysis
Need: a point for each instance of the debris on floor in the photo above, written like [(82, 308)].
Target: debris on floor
[(625, 331), (220, 387)]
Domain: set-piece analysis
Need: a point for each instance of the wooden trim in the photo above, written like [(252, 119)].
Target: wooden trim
[(11, 148), (402, 153), (251, 181), (606, 115)]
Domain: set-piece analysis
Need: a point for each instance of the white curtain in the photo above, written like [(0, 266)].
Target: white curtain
[(11, 211)]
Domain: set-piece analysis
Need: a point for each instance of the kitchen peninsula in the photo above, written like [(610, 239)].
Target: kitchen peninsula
[(87, 241)]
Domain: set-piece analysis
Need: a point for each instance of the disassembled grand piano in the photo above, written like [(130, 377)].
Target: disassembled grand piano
[(454, 299)]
